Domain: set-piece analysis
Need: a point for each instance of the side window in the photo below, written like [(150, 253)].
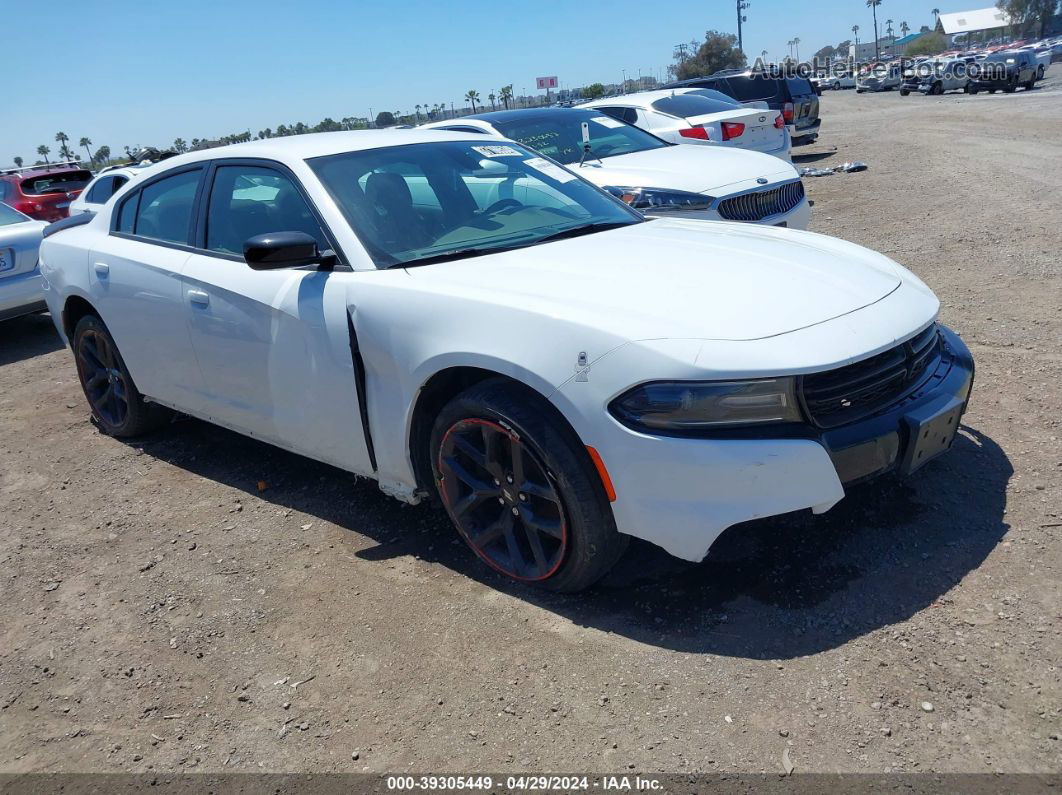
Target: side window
[(4, 190), (127, 214), (118, 182), (252, 200), (101, 191), (165, 211)]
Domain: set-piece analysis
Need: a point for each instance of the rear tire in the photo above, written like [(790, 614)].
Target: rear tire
[(521, 489), (117, 406)]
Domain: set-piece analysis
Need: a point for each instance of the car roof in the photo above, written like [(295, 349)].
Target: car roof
[(303, 147), (517, 113), (35, 172), (642, 99)]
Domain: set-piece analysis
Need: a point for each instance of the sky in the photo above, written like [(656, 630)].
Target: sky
[(130, 73)]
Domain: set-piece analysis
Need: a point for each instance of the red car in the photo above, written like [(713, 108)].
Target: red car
[(43, 192)]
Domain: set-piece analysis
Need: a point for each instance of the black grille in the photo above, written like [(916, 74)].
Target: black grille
[(760, 204), (849, 393)]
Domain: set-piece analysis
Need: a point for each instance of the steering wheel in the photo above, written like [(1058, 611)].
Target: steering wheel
[(502, 204)]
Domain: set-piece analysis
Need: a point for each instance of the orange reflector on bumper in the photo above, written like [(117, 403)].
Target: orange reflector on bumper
[(606, 481)]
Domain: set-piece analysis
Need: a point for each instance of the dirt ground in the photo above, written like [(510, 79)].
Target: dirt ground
[(159, 612)]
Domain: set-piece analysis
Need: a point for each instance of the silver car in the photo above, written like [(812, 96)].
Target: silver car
[(20, 275)]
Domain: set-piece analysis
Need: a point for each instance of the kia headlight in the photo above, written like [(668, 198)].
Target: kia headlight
[(702, 405), (661, 199)]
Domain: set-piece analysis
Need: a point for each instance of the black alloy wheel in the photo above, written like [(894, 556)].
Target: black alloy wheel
[(521, 488), (116, 404), (502, 499), (104, 382)]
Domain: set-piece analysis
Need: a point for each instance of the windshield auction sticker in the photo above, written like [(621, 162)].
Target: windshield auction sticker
[(550, 169), (498, 151)]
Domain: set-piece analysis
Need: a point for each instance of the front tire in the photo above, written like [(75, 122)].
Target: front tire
[(521, 489), (117, 406)]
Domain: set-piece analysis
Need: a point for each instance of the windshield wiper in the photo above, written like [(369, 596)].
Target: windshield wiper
[(585, 229), (477, 251), (457, 253)]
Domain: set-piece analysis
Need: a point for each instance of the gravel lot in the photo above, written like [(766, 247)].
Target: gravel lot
[(160, 612)]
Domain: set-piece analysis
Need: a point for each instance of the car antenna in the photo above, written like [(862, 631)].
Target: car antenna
[(586, 145)]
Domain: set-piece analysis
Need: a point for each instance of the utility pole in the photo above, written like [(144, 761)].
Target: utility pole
[(741, 6)]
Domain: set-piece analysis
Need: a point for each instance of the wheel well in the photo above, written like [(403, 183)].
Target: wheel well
[(76, 308), (440, 389)]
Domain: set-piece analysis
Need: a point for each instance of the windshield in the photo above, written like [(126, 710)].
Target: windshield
[(9, 215), (711, 93), (689, 105), (559, 134), (460, 198)]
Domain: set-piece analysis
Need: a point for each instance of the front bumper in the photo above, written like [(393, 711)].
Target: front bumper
[(681, 493), (886, 441)]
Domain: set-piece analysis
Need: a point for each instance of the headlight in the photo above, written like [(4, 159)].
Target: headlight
[(699, 405), (660, 199)]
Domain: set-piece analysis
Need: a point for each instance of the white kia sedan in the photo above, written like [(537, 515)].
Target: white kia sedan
[(700, 116), (463, 318), (649, 173)]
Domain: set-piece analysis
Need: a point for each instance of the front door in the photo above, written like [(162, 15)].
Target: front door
[(273, 346)]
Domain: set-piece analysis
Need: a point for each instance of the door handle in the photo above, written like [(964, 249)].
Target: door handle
[(101, 268), (198, 297)]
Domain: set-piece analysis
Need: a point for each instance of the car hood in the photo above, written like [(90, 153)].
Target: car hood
[(716, 170), (671, 278)]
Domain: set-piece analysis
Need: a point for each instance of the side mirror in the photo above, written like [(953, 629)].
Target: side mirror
[(275, 250)]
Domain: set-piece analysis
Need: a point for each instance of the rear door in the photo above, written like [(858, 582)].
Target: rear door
[(135, 282), (274, 345)]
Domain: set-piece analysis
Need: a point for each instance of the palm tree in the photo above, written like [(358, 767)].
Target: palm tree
[(763, 55), (43, 151), (85, 142), (417, 106), (855, 33), (491, 96), (472, 96), (506, 95), (180, 147), (103, 154), (18, 162), (936, 16), (62, 138), (873, 6), (796, 43), (904, 29)]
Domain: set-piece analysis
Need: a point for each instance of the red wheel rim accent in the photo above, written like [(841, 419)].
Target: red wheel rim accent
[(502, 499)]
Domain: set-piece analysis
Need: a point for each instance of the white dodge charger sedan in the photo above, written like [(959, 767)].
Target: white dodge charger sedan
[(463, 318), (649, 173)]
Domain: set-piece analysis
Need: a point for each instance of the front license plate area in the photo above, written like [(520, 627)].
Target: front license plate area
[(931, 431)]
